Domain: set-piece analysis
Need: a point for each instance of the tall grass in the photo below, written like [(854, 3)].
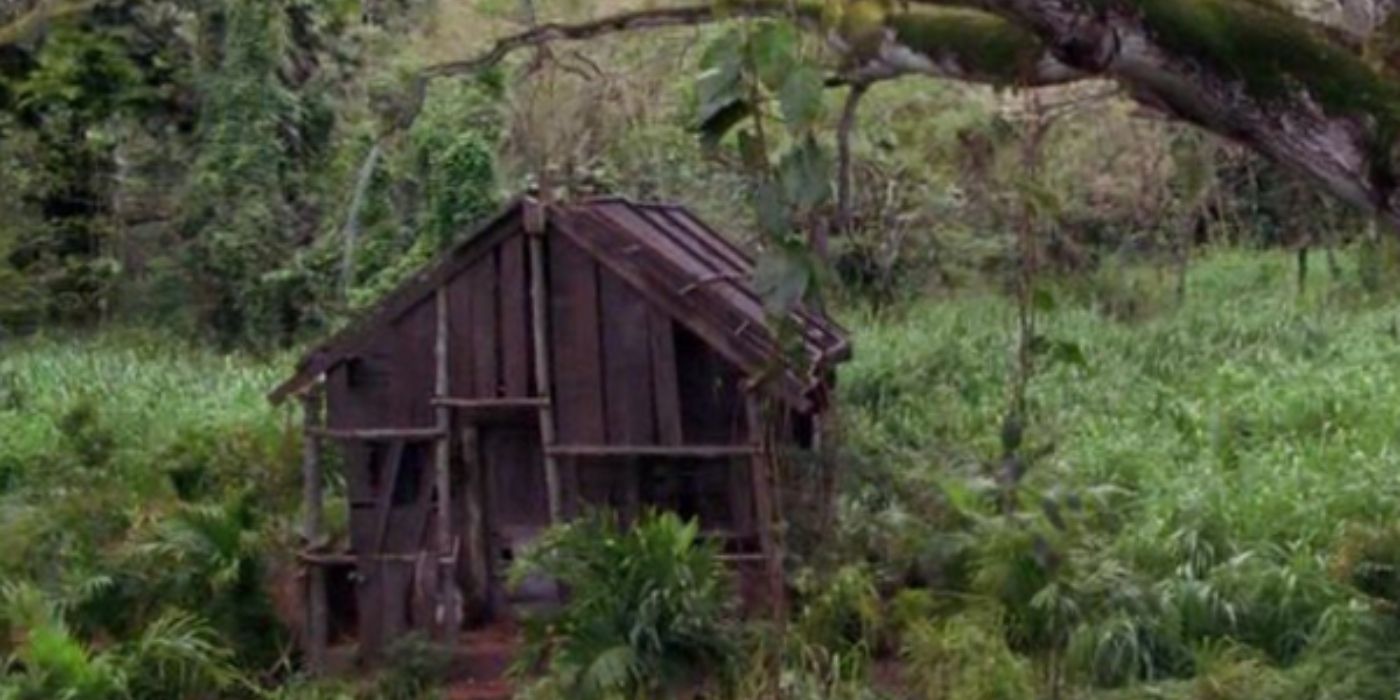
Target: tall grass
[(143, 481), (1220, 464), (144, 392), (1207, 510), (1273, 418)]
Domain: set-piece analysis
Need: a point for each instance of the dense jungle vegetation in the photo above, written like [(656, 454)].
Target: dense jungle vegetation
[(1121, 423)]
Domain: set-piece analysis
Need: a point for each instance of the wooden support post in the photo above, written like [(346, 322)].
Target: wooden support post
[(478, 545), (765, 506), (449, 602), (827, 465), (535, 228), (317, 615)]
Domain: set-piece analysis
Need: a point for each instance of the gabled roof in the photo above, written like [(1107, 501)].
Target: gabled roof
[(669, 255)]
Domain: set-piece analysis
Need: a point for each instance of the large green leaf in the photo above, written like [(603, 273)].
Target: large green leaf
[(782, 277), (720, 85), (805, 172), (774, 216), (774, 49), (715, 126), (801, 98)]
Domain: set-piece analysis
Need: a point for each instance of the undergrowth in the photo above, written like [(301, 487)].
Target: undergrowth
[(1209, 511), (146, 486), (1205, 511)]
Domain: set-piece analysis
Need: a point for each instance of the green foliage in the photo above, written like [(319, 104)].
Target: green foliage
[(742, 72), (210, 555), (413, 668), (239, 216), (966, 658), (176, 656), (97, 531), (1162, 549), (80, 71), (304, 689), (1247, 39), (454, 145), (429, 192), (82, 81), (844, 614), (649, 610), (985, 45)]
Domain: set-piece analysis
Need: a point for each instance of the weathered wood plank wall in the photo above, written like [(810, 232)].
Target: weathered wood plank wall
[(625, 374)]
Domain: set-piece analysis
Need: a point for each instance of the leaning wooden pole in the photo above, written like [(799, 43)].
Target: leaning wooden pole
[(317, 615), (449, 606), (536, 226), (765, 505), (476, 547)]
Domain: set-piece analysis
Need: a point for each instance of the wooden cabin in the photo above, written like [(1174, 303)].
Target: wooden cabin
[(604, 353)]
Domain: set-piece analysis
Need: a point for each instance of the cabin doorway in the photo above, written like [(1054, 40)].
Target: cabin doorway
[(519, 509)]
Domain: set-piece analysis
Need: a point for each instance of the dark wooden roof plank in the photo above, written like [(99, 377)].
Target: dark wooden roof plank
[(333, 350), (698, 267), (695, 275), (731, 268), (840, 346), (615, 249)]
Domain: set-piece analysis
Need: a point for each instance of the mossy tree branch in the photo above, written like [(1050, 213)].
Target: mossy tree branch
[(31, 20), (1246, 70), (1242, 69), (953, 43)]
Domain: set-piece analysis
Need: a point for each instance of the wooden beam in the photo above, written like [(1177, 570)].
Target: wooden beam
[(676, 451), (740, 558), (317, 614), (765, 507), (449, 599), (505, 403), (347, 558), (737, 339), (389, 481), (416, 289), (378, 433), (535, 227)]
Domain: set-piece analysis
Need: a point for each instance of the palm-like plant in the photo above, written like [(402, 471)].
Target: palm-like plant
[(47, 661), (209, 557), (648, 613), (178, 655)]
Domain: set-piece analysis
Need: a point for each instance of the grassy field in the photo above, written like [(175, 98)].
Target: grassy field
[(1216, 483), (146, 494), (1207, 510), (1272, 417)]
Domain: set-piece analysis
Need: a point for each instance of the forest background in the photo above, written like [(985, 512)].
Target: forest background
[(1195, 497)]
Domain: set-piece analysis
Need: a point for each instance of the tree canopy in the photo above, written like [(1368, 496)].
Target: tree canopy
[(1321, 100)]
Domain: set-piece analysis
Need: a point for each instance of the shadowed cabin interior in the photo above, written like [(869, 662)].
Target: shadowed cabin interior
[(595, 354)]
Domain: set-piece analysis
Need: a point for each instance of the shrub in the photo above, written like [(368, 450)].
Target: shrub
[(843, 615), (966, 658), (414, 666), (176, 655), (649, 610)]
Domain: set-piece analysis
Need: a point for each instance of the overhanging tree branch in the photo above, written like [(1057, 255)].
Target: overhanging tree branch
[(659, 18), (1248, 71), (30, 22), (1272, 81), (953, 43)]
